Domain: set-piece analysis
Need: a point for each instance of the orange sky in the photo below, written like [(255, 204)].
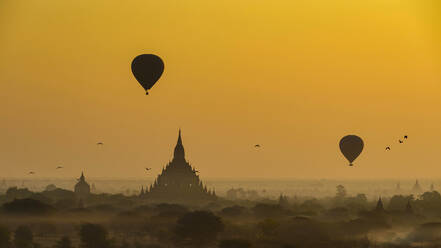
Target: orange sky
[(294, 76)]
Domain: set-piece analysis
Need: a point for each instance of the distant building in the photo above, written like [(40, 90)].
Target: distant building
[(379, 207), (82, 188), (142, 193), (179, 182), (417, 187), (283, 200)]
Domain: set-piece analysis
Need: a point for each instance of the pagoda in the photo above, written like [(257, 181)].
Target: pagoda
[(417, 187), (82, 188), (379, 207), (179, 182)]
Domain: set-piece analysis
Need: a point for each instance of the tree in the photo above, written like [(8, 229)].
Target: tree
[(198, 228), (267, 228), (311, 205), (27, 206), (429, 202), (93, 236), (23, 237), (268, 210), (233, 210), (5, 238), (399, 202), (433, 196), (125, 244), (234, 243), (341, 191), (357, 203), (64, 242)]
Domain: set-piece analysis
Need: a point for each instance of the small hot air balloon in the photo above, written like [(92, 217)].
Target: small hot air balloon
[(147, 69), (351, 147)]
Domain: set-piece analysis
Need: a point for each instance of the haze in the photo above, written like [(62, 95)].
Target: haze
[(293, 76)]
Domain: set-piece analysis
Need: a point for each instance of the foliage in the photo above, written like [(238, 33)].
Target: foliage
[(198, 228), (233, 210), (64, 242), (399, 202), (27, 206), (5, 237), (341, 191), (93, 236), (234, 243), (23, 237), (267, 228)]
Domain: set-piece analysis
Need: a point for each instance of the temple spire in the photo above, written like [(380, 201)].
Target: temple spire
[(82, 177), (179, 137), (179, 149), (379, 207)]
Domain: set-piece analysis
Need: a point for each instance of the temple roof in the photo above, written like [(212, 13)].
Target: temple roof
[(179, 153), (379, 205), (178, 181)]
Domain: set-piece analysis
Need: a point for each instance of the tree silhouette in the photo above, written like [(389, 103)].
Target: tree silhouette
[(267, 228), (27, 206), (399, 202), (64, 242), (341, 191), (198, 228), (93, 236), (234, 243), (5, 238), (23, 237), (233, 211)]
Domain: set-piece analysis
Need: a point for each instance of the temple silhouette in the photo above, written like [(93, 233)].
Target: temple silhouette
[(178, 182), (82, 188)]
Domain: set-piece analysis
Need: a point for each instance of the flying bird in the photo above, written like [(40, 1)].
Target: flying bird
[(400, 141), (257, 146), (59, 167), (405, 136), (147, 169), (31, 172), (388, 148), (99, 144)]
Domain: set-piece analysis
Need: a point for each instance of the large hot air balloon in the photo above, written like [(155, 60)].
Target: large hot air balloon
[(147, 69), (351, 147)]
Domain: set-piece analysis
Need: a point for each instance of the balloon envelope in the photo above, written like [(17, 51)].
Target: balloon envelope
[(147, 69), (351, 147)]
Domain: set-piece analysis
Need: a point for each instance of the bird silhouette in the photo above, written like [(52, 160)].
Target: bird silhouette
[(400, 141), (147, 169), (31, 173), (59, 167), (405, 136), (257, 146), (388, 148), (99, 143)]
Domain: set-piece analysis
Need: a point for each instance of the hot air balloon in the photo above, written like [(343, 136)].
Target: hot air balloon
[(351, 147), (147, 69)]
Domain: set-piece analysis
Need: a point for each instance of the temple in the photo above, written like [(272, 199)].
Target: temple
[(379, 207), (82, 188), (178, 182), (417, 187)]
